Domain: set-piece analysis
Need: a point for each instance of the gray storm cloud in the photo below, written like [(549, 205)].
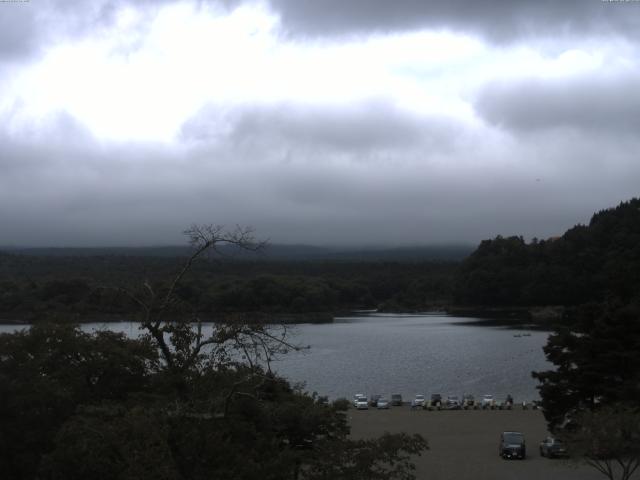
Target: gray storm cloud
[(538, 155), (26, 27), (497, 20), (598, 103), (324, 192), (359, 128)]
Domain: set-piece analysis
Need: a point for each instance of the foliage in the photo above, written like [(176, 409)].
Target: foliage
[(596, 352), (587, 263), (608, 438), (176, 403), (63, 288), (47, 372), (591, 399), (379, 459)]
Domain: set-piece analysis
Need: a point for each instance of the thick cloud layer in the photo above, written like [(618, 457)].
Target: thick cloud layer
[(597, 103), (272, 117), (498, 20)]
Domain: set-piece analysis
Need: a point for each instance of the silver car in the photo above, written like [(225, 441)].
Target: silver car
[(362, 403)]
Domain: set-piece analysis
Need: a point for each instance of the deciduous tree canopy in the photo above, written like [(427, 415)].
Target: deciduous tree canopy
[(174, 404)]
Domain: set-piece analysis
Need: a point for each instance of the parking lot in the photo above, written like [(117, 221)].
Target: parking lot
[(464, 443)]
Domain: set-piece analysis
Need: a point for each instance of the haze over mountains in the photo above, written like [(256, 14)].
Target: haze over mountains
[(453, 252)]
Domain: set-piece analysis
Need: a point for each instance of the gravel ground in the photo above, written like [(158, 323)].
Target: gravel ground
[(464, 443)]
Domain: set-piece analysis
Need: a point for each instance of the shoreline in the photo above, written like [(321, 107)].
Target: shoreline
[(249, 317), (529, 317)]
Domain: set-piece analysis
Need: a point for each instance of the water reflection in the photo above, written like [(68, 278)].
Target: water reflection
[(403, 353), (409, 354)]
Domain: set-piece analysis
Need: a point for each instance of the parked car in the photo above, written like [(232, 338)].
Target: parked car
[(436, 400), (468, 401), (382, 403), (396, 400), (374, 400), (418, 401), (453, 402), (356, 397), (362, 403), (512, 445), (553, 448), (487, 401)]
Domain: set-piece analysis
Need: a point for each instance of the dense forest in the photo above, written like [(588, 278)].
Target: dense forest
[(588, 263), (37, 287)]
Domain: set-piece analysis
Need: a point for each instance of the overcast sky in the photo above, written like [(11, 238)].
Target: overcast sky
[(371, 122)]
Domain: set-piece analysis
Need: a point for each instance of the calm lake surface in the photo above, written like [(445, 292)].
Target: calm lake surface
[(407, 354)]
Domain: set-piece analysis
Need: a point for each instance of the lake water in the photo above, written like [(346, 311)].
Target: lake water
[(407, 354)]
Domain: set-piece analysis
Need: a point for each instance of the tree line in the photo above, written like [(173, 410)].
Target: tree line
[(35, 288), (587, 263)]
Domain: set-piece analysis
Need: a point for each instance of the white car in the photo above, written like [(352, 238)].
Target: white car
[(418, 401), (382, 403), (356, 397), (362, 403), (487, 401)]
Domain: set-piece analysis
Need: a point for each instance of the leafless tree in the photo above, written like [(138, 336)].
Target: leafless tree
[(176, 327)]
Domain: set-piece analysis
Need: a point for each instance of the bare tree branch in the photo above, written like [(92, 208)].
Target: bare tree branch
[(181, 346)]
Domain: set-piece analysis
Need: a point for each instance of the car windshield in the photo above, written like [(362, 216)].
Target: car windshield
[(513, 437)]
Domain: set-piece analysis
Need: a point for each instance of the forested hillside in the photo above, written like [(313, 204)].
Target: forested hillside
[(588, 263), (35, 288)]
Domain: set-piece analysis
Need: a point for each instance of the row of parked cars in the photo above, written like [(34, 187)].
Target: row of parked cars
[(452, 402)]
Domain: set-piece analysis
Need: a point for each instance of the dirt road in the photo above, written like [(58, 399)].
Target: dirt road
[(464, 443)]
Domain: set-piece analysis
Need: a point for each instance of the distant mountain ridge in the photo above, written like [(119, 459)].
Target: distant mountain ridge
[(277, 252)]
